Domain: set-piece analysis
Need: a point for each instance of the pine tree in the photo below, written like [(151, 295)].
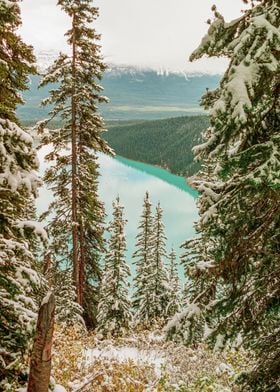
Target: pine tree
[(151, 297), (114, 307), (157, 284), (173, 286), (234, 263), (18, 186), (143, 254), (77, 226)]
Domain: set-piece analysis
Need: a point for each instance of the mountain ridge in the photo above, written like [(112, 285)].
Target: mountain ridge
[(47, 57)]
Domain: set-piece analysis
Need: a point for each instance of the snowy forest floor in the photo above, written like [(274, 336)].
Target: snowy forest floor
[(141, 362)]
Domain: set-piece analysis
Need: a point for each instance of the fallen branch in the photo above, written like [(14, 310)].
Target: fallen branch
[(86, 383)]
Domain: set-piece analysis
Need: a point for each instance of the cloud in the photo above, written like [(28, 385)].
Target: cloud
[(155, 33)]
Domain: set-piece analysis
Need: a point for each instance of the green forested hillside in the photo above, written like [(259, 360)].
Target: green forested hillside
[(167, 143)]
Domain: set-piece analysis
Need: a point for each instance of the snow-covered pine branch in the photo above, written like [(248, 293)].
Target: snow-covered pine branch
[(19, 281), (233, 264)]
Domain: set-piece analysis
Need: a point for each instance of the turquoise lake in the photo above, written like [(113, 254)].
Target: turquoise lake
[(130, 180)]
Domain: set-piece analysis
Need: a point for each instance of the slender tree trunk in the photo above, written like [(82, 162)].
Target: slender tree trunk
[(81, 230), (82, 263), (47, 267), (40, 366), (74, 168)]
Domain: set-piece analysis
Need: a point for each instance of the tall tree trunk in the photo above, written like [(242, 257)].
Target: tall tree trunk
[(74, 168), (81, 229), (40, 365), (82, 263)]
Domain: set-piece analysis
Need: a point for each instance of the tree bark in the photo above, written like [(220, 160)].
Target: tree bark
[(74, 168), (40, 365)]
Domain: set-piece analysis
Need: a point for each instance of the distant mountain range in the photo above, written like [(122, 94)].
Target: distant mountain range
[(153, 115), (134, 93)]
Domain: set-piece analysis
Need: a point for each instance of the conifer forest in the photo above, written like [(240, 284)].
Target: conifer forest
[(147, 258)]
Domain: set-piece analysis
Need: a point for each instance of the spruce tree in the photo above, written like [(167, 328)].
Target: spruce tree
[(18, 187), (68, 311), (77, 224), (173, 286), (157, 284), (143, 255), (234, 263), (114, 306), (17, 61)]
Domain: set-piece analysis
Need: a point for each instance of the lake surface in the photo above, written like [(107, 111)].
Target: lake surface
[(130, 180)]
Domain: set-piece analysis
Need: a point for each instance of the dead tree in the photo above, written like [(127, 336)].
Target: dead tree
[(40, 365)]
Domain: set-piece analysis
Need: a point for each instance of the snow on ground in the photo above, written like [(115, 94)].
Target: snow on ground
[(152, 357), (142, 361)]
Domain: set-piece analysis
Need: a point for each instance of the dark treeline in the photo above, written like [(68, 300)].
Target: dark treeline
[(170, 141), (167, 143)]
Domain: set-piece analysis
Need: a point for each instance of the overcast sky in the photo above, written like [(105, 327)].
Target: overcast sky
[(149, 33)]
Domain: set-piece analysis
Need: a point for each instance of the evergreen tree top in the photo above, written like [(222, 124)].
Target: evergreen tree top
[(158, 215), (245, 108), (158, 236), (145, 228), (113, 311), (78, 75), (16, 60), (83, 9), (82, 14), (252, 41), (147, 202), (116, 227)]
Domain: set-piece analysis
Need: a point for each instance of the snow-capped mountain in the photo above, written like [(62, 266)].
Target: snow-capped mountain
[(134, 93), (47, 57)]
